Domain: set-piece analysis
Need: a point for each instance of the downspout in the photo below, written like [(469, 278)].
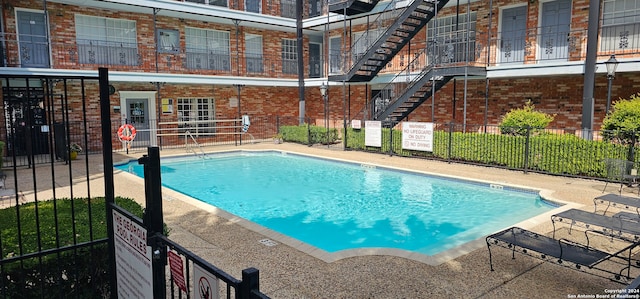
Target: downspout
[(46, 22), (486, 78), (300, 46), (466, 69), (455, 80), (158, 96)]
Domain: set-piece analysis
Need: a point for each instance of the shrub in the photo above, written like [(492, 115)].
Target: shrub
[(308, 134), (622, 125), (519, 121)]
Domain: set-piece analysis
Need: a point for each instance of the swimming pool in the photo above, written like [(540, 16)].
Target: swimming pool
[(338, 205)]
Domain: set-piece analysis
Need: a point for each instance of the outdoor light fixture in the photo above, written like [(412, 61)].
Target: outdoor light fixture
[(612, 65), (323, 90)]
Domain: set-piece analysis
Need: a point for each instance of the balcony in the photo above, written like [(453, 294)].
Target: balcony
[(281, 8), (89, 55)]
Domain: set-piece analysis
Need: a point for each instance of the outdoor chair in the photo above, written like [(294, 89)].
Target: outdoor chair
[(617, 201), (566, 253), (621, 226), (620, 171)]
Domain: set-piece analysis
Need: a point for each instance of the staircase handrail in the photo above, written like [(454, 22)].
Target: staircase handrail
[(404, 72), (391, 7), (425, 70)]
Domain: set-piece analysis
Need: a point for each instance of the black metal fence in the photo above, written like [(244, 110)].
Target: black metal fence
[(56, 225), (566, 152)]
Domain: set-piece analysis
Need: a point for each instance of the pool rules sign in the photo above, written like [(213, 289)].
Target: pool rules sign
[(134, 274), (417, 136)]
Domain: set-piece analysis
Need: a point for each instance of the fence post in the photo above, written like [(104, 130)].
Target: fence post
[(153, 217), (526, 150), (107, 161), (250, 282), (450, 145), (309, 132), (631, 155), (390, 139)]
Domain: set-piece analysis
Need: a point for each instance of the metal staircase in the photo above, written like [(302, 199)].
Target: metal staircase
[(351, 7), (410, 20), (411, 89)]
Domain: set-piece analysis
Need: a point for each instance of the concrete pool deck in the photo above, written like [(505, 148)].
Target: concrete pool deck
[(290, 269), (286, 271)]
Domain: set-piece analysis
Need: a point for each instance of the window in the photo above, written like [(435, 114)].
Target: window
[(253, 53), (289, 56), (106, 41), (222, 3), (620, 25), (335, 55), (288, 8), (168, 41), (207, 49), (448, 36), (253, 5), (363, 41), (196, 115)]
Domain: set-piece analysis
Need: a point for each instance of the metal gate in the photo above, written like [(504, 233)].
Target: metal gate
[(57, 229)]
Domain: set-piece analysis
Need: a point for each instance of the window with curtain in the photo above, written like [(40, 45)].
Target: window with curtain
[(335, 55), (196, 115), (289, 56), (253, 53), (253, 6), (207, 49), (106, 40), (363, 41), (288, 9), (620, 25), (451, 37), (222, 3)]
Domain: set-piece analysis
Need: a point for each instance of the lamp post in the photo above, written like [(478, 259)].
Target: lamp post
[(323, 92), (612, 65)]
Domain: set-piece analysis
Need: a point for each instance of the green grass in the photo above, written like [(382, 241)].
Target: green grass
[(56, 223)]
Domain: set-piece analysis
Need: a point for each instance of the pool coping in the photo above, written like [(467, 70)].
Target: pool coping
[(329, 257)]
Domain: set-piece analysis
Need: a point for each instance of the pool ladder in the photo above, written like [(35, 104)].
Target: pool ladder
[(200, 153)]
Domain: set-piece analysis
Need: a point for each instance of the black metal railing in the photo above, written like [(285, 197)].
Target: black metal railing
[(564, 152)]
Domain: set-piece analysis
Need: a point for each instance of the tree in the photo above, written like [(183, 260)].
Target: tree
[(519, 121), (622, 124)]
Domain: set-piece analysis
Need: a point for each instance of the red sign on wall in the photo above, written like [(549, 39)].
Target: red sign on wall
[(175, 263)]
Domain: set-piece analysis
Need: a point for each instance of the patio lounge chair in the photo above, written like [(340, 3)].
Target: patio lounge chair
[(620, 225), (562, 251), (619, 201)]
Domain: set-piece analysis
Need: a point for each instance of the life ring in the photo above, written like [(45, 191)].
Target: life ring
[(127, 132)]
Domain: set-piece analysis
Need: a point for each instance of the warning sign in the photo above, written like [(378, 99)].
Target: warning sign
[(176, 265), (417, 136), (205, 284), (133, 258)]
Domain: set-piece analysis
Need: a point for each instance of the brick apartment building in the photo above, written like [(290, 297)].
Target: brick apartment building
[(197, 61)]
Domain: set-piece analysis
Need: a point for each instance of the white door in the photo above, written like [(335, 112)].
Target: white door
[(138, 109)]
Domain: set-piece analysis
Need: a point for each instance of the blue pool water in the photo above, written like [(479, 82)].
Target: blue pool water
[(337, 205)]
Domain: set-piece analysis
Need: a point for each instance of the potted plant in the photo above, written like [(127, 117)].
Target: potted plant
[(277, 138), (74, 149)]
